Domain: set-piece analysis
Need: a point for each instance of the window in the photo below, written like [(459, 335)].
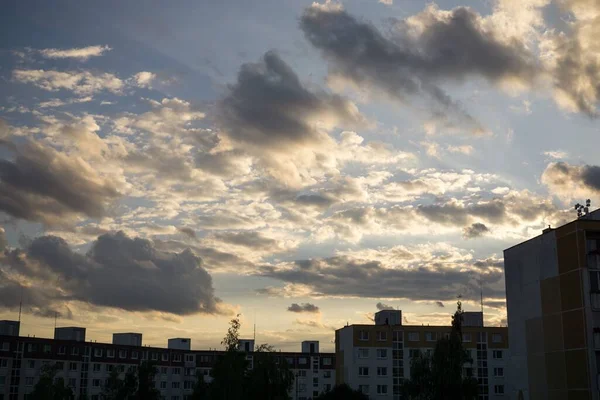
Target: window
[(31, 364), (413, 336), (498, 389), (47, 348), (327, 374), (164, 370), (163, 384), (302, 387), (2, 380), (497, 354), (382, 353), (109, 367), (326, 360), (122, 353), (381, 389), (73, 382), (315, 393), (4, 363), (595, 281), (31, 347), (315, 381), (72, 366), (110, 353), (302, 373), (74, 351), (327, 387), (29, 381), (496, 338), (412, 353), (97, 367), (62, 350), (154, 356), (5, 346), (177, 357), (381, 336), (302, 361), (97, 352), (363, 335), (430, 336), (364, 389), (189, 358), (466, 337), (165, 356), (363, 371), (290, 361), (176, 371), (381, 371), (96, 383), (121, 368), (363, 353), (175, 385), (499, 371), (134, 355), (60, 365)]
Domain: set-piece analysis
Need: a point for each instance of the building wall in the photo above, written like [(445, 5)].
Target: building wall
[(354, 350), (87, 365), (550, 316)]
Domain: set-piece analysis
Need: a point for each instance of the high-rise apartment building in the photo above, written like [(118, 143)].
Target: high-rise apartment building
[(553, 304), (376, 358)]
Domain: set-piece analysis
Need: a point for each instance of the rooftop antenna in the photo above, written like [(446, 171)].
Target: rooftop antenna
[(20, 305), (481, 292), (583, 210)]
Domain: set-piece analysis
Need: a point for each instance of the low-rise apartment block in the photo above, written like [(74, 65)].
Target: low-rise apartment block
[(376, 358), (86, 366)]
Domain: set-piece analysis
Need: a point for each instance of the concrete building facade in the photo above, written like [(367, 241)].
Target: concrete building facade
[(376, 358), (553, 304), (86, 366)]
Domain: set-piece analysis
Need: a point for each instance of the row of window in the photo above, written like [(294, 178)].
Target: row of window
[(365, 389), (364, 371), (382, 354), (429, 336)]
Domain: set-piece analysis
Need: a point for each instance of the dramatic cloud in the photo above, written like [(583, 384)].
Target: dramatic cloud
[(118, 271), (440, 304), (421, 273), (303, 308), (423, 49), (475, 230), (572, 182), (41, 184), (189, 232), (83, 83), (381, 306), (82, 53), (269, 107), (573, 59)]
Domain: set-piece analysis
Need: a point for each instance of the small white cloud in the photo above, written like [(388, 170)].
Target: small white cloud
[(144, 79), (465, 149), (524, 108), (556, 154), (82, 53), (501, 190), (387, 2), (81, 83)]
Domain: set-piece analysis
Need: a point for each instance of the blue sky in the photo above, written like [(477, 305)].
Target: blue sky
[(165, 167)]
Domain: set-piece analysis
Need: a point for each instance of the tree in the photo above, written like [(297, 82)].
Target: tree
[(268, 379), (441, 376), (49, 387), (146, 386), (228, 372), (120, 389), (201, 388), (342, 392)]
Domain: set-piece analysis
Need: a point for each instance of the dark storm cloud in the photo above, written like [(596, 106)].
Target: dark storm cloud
[(119, 272), (424, 280), (189, 232), (406, 64), (303, 308), (475, 230), (253, 240), (563, 178), (381, 306), (43, 185), (269, 107), (455, 214)]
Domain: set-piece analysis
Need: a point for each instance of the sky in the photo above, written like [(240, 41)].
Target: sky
[(165, 166)]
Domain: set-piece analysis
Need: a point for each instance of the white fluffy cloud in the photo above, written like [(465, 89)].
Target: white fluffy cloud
[(81, 53)]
